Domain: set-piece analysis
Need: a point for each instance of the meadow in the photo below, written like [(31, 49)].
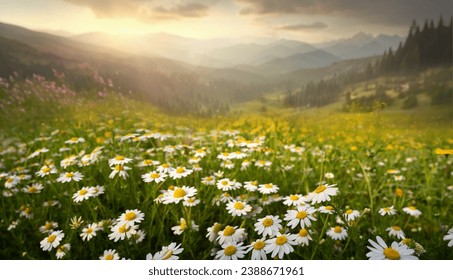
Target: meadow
[(118, 179)]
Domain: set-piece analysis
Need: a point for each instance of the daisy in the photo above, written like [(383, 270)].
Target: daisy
[(387, 211), (121, 170), (337, 233), (38, 152), (48, 227), (251, 186), (34, 188), (294, 200), (83, 194), (280, 245), (190, 201), (164, 168), (231, 251), (396, 231), (75, 140), (411, 210), (169, 252), (63, 250), (122, 231), (69, 161), (96, 190), (225, 156), (130, 217), (137, 237), (52, 241), (329, 175), (226, 184), (351, 215), (148, 162), (238, 208), (178, 194), (326, 209), (89, 231), (268, 188), (180, 172), (213, 231), (46, 170), (231, 234), (380, 251), (302, 216), (70, 176), (200, 153), (110, 255), (269, 225), (303, 237), (322, 193), (449, 236), (179, 229), (257, 248), (208, 181), (12, 181), (119, 160)]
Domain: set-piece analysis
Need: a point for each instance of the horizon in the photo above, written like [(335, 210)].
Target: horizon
[(304, 21)]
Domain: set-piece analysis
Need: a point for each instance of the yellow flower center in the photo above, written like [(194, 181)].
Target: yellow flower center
[(228, 231), (165, 165), (155, 175), (329, 208), (190, 200), (397, 228), (301, 215), (32, 189), (412, 208), (180, 170), (9, 180), (337, 229), (123, 229), (208, 179), (119, 158), (69, 175), (224, 182), (303, 232), (268, 186), (89, 231), (130, 216), (399, 192), (183, 224), (230, 250), (83, 192), (320, 189), (179, 192), (259, 245), (282, 239), (268, 222), (73, 139), (391, 254), (51, 238), (48, 226), (386, 209), (225, 154), (294, 197), (349, 212), (239, 205), (109, 257), (147, 162), (46, 170)]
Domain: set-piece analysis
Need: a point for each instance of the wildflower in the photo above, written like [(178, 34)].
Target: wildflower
[(238, 208), (396, 231), (322, 193), (76, 222), (154, 176), (449, 236), (75, 140), (110, 255), (190, 201), (257, 248), (178, 194), (413, 245), (130, 217), (34, 188), (63, 250), (82, 194), (122, 231), (164, 168), (208, 180), (38, 152), (351, 215), (96, 190), (69, 161), (226, 184), (26, 212), (48, 227), (251, 186), (387, 211), (231, 251), (269, 225), (280, 245), (121, 170), (89, 231), (70, 176), (231, 234), (179, 229), (213, 231), (329, 175), (380, 251), (148, 162), (137, 237), (294, 200), (46, 170), (169, 252), (303, 237), (399, 192), (411, 210), (180, 172), (52, 241), (268, 188), (119, 160), (326, 209), (337, 233), (302, 216)]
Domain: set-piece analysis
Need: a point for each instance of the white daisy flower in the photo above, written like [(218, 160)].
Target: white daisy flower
[(294, 200), (351, 215), (213, 232), (387, 211), (380, 251), (83, 194), (169, 252), (119, 160), (48, 227), (396, 231), (238, 208), (449, 236), (231, 234), (34, 188), (110, 255), (130, 217), (46, 170), (178, 194), (303, 237), (122, 231), (280, 245), (411, 210), (179, 172), (62, 251), (251, 186), (326, 209), (231, 251), (269, 225), (121, 170), (322, 193), (337, 233), (70, 176), (208, 180), (257, 248), (52, 241), (268, 188), (302, 216), (89, 231), (226, 184)]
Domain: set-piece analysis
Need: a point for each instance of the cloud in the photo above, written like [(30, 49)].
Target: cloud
[(303, 27), (144, 10), (373, 11)]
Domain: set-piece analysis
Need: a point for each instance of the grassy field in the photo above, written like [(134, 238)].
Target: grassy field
[(273, 182)]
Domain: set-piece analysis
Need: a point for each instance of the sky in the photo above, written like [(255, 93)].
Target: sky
[(311, 21)]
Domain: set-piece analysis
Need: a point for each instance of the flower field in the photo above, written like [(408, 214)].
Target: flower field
[(129, 187)]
